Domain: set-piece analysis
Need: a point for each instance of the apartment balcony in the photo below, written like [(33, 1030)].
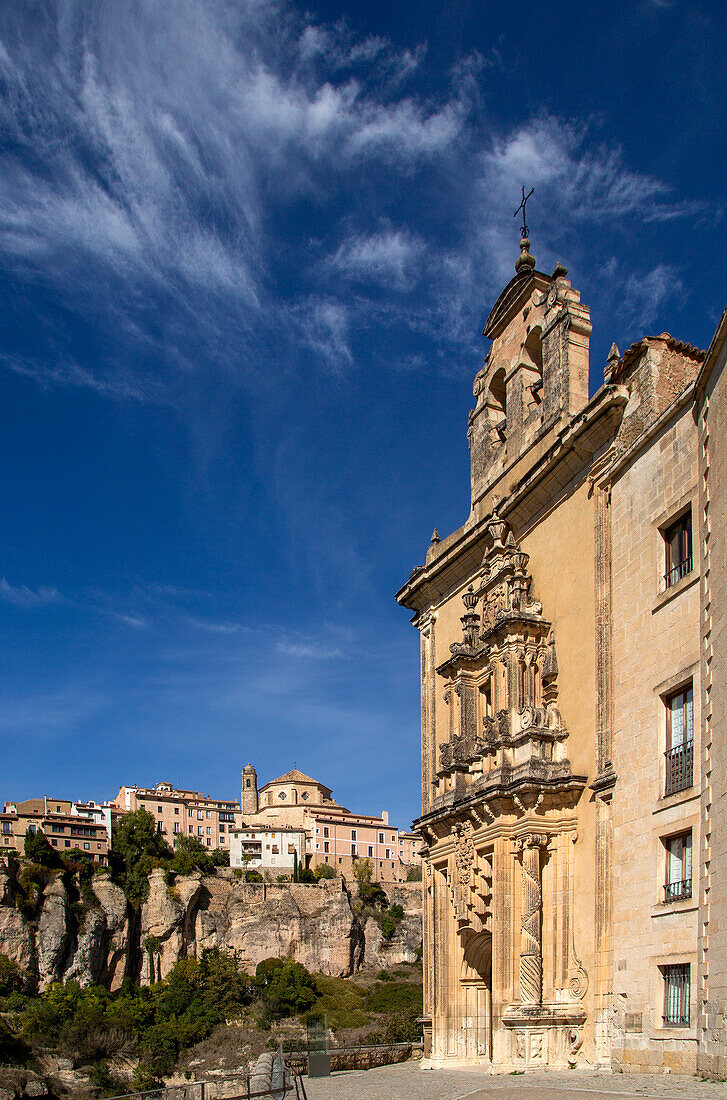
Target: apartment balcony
[(678, 891), (679, 768), (674, 575)]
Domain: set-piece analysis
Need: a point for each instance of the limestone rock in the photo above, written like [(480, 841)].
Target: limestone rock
[(53, 939)]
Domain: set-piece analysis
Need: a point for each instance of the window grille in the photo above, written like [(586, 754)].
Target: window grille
[(676, 995)]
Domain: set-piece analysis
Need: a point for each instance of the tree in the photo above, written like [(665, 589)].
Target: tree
[(324, 870), (137, 848), (362, 871), (286, 988), (414, 874), (38, 850)]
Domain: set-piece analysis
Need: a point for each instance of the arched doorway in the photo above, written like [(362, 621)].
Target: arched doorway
[(476, 982)]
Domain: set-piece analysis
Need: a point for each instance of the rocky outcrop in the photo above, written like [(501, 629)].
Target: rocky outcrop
[(405, 944), (54, 933), (103, 940), (16, 938), (315, 925)]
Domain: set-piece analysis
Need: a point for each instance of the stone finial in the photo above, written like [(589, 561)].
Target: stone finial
[(524, 260), (614, 358), (435, 537), (559, 271)]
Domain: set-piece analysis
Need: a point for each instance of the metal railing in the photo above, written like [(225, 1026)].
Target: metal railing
[(678, 571), (679, 767), (678, 891)]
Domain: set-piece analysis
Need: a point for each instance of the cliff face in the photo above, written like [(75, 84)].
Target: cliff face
[(106, 941)]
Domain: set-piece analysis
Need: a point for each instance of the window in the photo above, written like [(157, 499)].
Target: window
[(142, 806), (207, 814), (54, 842), (159, 809), (678, 867), (679, 740), (176, 826), (58, 809), (371, 849), (353, 849), (381, 838), (326, 846), (6, 826), (305, 796), (209, 842), (191, 829), (209, 831), (67, 843), (387, 854), (86, 845), (678, 544), (200, 815), (200, 830), (326, 831), (676, 995), (353, 834), (222, 827), (190, 813), (176, 810), (282, 795), (31, 830)]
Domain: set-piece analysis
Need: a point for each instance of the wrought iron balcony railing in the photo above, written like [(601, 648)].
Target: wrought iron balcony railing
[(679, 767), (678, 891), (678, 571)]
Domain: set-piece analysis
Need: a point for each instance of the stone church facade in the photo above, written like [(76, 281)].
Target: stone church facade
[(563, 695)]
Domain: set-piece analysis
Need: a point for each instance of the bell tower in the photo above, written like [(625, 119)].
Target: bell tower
[(535, 376), (248, 794)]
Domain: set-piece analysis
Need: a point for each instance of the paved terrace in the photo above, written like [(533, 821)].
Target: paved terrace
[(408, 1082)]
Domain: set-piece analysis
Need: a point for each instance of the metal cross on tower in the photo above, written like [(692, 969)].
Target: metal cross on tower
[(522, 207)]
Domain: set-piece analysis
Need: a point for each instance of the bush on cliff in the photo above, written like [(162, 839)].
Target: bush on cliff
[(414, 874), (285, 988), (159, 1021), (138, 847), (13, 979), (324, 870), (38, 849)]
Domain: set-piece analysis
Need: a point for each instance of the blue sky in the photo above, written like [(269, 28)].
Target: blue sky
[(246, 253)]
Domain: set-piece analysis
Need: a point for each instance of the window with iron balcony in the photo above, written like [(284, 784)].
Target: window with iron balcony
[(678, 885), (679, 755), (678, 548)]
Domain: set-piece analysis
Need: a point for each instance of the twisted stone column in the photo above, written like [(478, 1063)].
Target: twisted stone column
[(531, 952)]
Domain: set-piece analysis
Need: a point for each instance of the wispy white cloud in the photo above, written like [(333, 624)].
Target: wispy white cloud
[(22, 596), (309, 651), (390, 257)]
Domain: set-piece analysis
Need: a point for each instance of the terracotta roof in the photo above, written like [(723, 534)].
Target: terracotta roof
[(295, 776), (674, 345)]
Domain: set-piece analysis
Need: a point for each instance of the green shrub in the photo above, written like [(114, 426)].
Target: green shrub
[(342, 1001), (286, 989), (13, 979), (414, 874), (324, 870), (395, 997), (306, 875)]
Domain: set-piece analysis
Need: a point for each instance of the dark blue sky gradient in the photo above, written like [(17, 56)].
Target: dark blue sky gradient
[(246, 253)]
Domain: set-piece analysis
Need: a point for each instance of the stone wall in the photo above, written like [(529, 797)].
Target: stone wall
[(655, 652)]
